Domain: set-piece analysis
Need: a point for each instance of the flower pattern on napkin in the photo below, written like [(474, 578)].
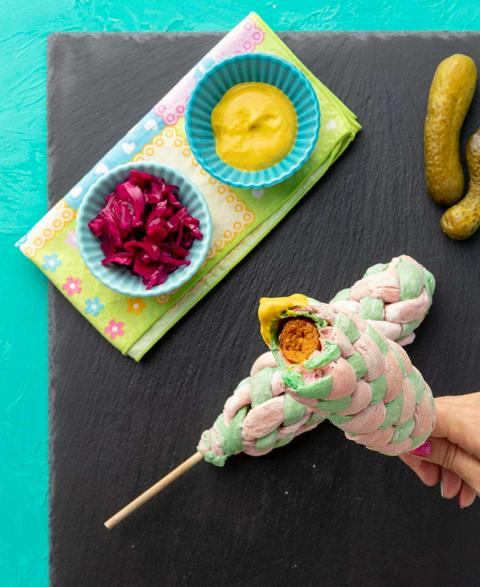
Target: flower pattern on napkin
[(93, 306), (51, 262), (114, 329), (135, 306), (72, 286)]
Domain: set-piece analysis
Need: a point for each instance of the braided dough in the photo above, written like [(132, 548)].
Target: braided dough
[(265, 412), (362, 382), (395, 297)]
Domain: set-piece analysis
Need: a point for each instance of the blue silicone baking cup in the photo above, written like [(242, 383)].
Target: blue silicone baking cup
[(120, 279), (252, 67)]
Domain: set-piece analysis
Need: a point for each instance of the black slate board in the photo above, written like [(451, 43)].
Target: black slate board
[(320, 511)]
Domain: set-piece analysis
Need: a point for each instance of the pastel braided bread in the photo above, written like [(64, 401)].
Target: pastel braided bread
[(394, 296), (358, 379), (258, 417), (271, 424)]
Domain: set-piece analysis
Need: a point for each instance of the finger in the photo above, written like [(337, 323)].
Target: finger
[(450, 484), (458, 419), (427, 472), (466, 398), (467, 496), (450, 456)]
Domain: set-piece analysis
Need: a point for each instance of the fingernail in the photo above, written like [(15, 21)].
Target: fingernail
[(423, 450), (463, 507), (441, 488)]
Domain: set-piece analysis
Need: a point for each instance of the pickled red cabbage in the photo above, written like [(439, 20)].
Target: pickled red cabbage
[(144, 226)]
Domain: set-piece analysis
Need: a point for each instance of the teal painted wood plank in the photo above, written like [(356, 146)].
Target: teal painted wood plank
[(24, 28)]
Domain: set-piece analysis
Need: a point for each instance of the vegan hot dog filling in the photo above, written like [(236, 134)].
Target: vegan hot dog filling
[(298, 339)]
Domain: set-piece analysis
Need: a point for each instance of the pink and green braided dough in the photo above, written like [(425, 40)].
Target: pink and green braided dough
[(394, 297), (359, 378)]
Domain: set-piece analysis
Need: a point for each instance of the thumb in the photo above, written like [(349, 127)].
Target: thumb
[(450, 456)]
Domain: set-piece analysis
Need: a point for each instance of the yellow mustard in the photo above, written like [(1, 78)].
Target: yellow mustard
[(255, 126), (270, 310)]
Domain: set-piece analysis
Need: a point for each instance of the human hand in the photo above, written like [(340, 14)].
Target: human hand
[(451, 455)]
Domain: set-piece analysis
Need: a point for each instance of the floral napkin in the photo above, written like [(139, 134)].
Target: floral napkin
[(241, 217)]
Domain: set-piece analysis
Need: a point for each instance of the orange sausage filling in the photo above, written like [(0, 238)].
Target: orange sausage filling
[(298, 339)]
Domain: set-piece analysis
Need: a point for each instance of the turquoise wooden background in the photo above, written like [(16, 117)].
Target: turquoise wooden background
[(24, 27)]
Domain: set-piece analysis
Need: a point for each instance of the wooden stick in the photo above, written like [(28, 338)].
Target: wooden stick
[(153, 490)]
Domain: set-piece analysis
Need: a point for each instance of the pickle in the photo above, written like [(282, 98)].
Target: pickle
[(463, 219), (451, 94)]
